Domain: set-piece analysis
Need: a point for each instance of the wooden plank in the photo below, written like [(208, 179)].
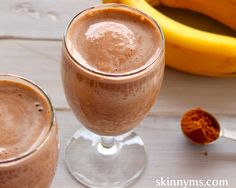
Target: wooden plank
[(40, 62), (182, 91), (38, 19), (169, 153)]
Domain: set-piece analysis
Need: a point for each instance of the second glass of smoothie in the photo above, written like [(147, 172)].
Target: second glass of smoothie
[(29, 141), (112, 69)]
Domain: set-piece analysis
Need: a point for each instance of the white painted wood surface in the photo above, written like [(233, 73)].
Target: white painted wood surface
[(45, 19), (30, 34)]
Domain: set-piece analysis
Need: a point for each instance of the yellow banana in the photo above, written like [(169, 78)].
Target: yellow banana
[(222, 10), (192, 50)]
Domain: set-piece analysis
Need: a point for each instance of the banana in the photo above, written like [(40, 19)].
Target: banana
[(192, 50), (222, 10)]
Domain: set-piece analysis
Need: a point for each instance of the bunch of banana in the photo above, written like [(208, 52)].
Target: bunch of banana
[(192, 50)]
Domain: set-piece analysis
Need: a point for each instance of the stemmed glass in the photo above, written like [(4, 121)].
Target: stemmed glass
[(108, 153)]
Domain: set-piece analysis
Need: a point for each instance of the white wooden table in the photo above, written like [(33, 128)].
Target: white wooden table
[(30, 43)]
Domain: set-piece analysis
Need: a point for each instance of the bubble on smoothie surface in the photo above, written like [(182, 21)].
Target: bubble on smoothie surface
[(36, 104), (114, 44)]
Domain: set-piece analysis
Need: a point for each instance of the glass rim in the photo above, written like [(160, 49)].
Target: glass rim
[(52, 119), (154, 58)]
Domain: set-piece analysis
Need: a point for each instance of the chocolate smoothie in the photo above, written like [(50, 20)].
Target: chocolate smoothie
[(28, 141), (112, 68)]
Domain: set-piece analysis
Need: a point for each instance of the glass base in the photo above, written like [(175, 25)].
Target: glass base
[(95, 166)]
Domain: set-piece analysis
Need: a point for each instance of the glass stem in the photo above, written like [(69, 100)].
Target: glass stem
[(107, 141)]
